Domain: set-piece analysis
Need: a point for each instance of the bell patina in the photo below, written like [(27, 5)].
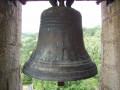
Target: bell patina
[(60, 54)]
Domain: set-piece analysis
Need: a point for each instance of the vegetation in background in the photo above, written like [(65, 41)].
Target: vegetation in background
[(92, 42)]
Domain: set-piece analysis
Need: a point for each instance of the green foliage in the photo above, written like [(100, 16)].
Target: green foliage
[(29, 42), (92, 41)]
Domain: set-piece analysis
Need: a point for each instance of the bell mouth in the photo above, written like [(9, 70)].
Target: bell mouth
[(60, 71)]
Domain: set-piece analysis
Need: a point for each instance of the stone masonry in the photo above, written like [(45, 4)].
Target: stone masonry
[(110, 70), (10, 44)]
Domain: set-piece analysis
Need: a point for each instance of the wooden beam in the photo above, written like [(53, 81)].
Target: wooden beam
[(24, 1), (97, 1)]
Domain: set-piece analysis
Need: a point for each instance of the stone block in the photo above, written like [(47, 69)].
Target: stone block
[(108, 34), (109, 79), (111, 29), (117, 5), (111, 54)]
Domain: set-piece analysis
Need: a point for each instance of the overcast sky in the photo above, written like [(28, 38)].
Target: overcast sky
[(91, 14)]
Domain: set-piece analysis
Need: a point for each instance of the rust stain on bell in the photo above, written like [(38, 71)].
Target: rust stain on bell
[(60, 54)]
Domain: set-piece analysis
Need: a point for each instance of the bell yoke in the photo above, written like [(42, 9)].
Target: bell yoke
[(61, 2)]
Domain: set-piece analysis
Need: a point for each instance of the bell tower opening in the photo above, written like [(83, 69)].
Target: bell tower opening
[(10, 47), (88, 27)]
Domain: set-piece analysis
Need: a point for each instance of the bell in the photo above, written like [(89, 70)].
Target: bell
[(60, 54)]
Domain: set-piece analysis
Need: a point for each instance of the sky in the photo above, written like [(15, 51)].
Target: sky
[(31, 12)]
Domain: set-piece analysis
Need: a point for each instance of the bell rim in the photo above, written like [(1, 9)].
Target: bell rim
[(87, 74), (62, 74)]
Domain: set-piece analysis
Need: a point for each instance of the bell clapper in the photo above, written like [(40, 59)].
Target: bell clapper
[(61, 83)]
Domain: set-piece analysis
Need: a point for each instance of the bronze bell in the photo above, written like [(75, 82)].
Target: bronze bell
[(60, 54)]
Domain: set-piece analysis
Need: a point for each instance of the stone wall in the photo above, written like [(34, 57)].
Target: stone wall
[(110, 70), (10, 44)]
